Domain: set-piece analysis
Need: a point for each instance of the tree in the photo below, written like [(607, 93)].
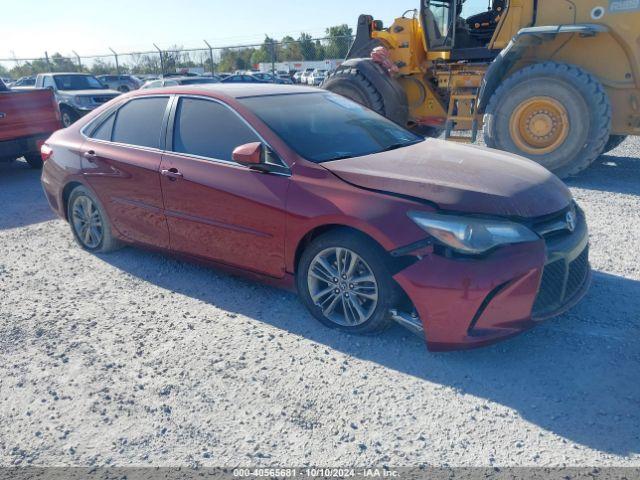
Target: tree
[(232, 59), (307, 47), (290, 50), (62, 64), (144, 63), (338, 41), (101, 67), (267, 53)]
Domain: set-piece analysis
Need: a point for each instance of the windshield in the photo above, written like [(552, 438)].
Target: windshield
[(437, 22), (77, 82), (323, 126)]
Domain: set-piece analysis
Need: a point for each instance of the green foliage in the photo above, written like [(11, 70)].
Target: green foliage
[(339, 41)]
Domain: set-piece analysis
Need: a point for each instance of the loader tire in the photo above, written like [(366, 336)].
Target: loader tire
[(614, 142), (556, 114), (366, 83)]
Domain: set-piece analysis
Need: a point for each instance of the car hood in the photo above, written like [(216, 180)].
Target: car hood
[(91, 93), (460, 178)]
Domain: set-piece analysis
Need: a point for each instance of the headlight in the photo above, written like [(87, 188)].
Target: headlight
[(472, 235), (82, 101)]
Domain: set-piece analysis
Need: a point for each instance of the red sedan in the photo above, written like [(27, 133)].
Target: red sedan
[(300, 187)]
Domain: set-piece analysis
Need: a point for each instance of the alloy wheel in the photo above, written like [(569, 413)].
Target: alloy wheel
[(87, 222), (343, 286)]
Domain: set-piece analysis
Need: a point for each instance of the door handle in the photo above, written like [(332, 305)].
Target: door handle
[(89, 155), (172, 174)]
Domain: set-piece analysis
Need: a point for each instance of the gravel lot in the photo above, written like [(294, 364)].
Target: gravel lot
[(137, 359)]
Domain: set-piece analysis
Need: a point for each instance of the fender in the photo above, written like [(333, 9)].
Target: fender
[(394, 97), (524, 39), (363, 43)]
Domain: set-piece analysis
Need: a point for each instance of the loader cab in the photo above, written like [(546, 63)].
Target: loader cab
[(446, 30)]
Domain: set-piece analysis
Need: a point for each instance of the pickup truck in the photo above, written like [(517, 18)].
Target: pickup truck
[(76, 93), (27, 119)]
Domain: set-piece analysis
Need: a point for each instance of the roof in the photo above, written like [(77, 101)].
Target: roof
[(233, 90)]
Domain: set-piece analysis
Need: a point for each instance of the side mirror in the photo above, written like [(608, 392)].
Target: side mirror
[(250, 154)]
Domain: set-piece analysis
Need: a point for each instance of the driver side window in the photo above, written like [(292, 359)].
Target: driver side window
[(208, 129)]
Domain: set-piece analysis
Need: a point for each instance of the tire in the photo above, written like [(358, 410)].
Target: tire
[(68, 116), (614, 142), (569, 103), (376, 317), (351, 81), (124, 89), (34, 160), (81, 197)]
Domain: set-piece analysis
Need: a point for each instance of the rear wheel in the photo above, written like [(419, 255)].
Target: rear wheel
[(555, 114), (89, 223), (343, 281), (124, 89), (614, 142)]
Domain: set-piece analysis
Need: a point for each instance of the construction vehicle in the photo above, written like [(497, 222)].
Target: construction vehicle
[(557, 81)]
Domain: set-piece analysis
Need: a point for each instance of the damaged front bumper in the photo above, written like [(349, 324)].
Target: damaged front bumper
[(463, 303)]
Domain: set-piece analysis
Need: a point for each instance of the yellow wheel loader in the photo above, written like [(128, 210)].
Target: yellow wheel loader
[(557, 81)]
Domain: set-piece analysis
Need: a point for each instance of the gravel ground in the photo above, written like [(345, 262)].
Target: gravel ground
[(138, 359)]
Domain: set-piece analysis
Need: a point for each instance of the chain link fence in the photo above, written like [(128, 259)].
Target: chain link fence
[(283, 55)]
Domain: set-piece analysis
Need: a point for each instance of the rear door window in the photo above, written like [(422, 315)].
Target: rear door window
[(103, 132), (209, 129), (139, 122)]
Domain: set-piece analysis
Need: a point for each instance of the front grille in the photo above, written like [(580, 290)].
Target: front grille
[(102, 99), (578, 271), (555, 225), (560, 284)]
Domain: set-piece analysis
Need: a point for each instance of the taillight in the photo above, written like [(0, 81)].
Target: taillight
[(45, 152)]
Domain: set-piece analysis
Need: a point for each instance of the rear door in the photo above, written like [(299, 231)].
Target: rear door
[(121, 162), (216, 208)]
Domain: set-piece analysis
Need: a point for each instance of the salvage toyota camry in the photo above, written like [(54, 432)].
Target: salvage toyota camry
[(371, 223)]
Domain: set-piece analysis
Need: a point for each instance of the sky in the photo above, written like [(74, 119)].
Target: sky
[(90, 27)]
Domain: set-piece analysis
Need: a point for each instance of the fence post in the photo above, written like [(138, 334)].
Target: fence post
[(116, 57), (161, 59), (273, 55), (213, 68), (78, 58)]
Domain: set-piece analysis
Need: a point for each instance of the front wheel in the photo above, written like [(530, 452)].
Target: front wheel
[(555, 114), (343, 281), (68, 116)]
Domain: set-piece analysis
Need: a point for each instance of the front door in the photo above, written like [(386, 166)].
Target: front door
[(121, 161), (216, 208)]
